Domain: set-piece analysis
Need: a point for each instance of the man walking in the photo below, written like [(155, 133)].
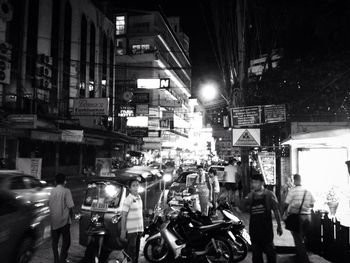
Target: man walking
[(300, 201), (61, 213)]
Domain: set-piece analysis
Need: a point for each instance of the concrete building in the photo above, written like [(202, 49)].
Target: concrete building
[(57, 93), (154, 78)]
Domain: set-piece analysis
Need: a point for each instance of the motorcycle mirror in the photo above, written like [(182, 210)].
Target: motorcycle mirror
[(230, 216)]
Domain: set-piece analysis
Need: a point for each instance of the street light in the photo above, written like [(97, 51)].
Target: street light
[(210, 90)]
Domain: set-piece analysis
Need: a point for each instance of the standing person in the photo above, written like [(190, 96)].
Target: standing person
[(230, 181), (239, 180), (204, 190), (61, 213), (132, 221), (215, 186), (260, 203), (300, 201)]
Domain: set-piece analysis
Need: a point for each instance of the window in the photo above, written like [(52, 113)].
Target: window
[(140, 49), (120, 25), (83, 49), (109, 193)]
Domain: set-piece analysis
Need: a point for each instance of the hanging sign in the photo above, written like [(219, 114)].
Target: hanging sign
[(30, 166), (137, 132), (126, 111), (141, 98), (245, 116), (274, 113), (267, 163), (142, 109), (246, 137)]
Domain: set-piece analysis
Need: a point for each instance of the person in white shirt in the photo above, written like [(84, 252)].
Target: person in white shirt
[(61, 212), (300, 199), (214, 181), (230, 181)]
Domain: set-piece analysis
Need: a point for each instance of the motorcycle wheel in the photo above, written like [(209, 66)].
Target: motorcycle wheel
[(156, 250), (240, 249), (224, 253)]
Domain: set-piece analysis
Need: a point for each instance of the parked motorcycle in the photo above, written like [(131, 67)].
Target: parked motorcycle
[(183, 236)]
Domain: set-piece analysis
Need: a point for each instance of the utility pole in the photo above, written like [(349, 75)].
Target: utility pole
[(238, 98)]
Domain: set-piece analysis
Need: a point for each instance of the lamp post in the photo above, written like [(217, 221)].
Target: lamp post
[(210, 90)]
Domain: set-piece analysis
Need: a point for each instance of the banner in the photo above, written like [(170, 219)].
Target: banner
[(267, 162), (30, 166), (104, 167)]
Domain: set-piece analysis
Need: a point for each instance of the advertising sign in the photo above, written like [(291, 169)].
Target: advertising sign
[(170, 103), (245, 116), (267, 162), (90, 107), (72, 135), (30, 166), (274, 113), (25, 121), (153, 83), (137, 132), (126, 111), (142, 109), (153, 134), (151, 145), (141, 98), (246, 137), (152, 139), (153, 123), (104, 167), (45, 136)]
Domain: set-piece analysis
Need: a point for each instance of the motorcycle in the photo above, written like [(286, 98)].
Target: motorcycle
[(183, 236)]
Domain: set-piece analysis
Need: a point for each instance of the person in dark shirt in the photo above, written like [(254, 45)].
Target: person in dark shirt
[(260, 203)]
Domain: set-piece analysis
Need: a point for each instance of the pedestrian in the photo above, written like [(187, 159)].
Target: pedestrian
[(215, 186), (239, 180), (300, 201), (286, 188), (61, 213), (230, 181), (204, 189), (132, 221), (261, 202)]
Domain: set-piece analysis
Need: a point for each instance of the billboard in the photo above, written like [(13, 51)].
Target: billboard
[(90, 107)]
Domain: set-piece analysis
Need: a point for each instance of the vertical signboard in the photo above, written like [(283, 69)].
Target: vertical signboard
[(267, 162), (30, 166)]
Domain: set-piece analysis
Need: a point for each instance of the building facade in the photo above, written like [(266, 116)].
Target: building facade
[(58, 90)]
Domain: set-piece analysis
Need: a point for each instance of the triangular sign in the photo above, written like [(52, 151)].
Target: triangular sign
[(246, 139)]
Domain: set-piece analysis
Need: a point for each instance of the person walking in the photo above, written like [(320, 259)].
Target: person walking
[(204, 190), (300, 201), (260, 203), (61, 213), (132, 221), (215, 186), (230, 181)]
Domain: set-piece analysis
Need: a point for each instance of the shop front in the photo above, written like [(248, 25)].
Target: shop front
[(320, 157)]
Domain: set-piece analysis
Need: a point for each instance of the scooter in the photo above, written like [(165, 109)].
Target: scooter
[(183, 237)]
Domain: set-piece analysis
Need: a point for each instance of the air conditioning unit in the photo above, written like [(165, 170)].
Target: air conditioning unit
[(5, 71), (45, 72), (44, 59), (42, 83), (6, 10), (5, 50)]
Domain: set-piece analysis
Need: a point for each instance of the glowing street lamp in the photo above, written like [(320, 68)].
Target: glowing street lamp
[(210, 90)]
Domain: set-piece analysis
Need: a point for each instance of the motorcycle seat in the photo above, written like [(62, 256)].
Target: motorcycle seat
[(212, 226)]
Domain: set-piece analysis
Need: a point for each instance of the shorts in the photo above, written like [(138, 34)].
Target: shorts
[(230, 186)]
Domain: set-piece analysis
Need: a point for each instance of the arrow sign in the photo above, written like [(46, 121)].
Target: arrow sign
[(246, 137)]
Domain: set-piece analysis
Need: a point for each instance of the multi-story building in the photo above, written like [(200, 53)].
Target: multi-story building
[(153, 79), (57, 84)]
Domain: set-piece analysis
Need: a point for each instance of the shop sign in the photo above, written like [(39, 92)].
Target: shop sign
[(126, 111), (12, 132), (90, 107), (275, 113), (30, 166), (153, 134), (267, 162), (72, 135), (152, 139), (94, 141), (246, 116), (24, 121), (151, 146), (141, 98), (163, 83), (153, 123), (137, 132), (45, 136), (246, 137), (170, 103), (169, 115), (142, 109)]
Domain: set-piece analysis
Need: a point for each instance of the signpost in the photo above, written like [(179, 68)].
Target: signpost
[(246, 137)]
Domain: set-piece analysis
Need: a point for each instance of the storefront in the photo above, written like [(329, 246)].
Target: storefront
[(320, 158)]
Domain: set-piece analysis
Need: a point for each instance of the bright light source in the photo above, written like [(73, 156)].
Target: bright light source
[(141, 189), (111, 190), (209, 91), (167, 177)]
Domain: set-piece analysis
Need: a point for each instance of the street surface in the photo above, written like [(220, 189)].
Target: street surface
[(76, 252)]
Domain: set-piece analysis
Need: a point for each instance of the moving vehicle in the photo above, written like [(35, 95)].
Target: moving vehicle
[(184, 236), (21, 229)]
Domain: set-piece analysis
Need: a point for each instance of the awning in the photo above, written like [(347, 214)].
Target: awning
[(336, 137), (116, 137)]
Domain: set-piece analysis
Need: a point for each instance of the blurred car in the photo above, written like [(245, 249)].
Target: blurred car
[(21, 230), (220, 172), (25, 186)]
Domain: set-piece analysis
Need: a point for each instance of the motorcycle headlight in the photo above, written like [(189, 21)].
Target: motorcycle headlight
[(115, 219), (95, 218)]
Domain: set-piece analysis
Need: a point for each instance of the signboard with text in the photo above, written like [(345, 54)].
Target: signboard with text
[(30, 166), (126, 111), (246, 137), (23, 121), (142, 109), (163, 83), (137, 132), (267, 162), (274, 113), (141, 98), (90, 107), (72, 135), (245, 116)]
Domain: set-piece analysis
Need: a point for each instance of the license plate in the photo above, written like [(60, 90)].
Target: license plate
[(99, 206), (246, 236)]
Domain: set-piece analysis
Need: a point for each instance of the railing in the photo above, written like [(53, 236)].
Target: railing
[(328, 238)]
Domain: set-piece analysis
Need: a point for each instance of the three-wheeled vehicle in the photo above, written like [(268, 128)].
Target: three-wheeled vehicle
[(99, 226)]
